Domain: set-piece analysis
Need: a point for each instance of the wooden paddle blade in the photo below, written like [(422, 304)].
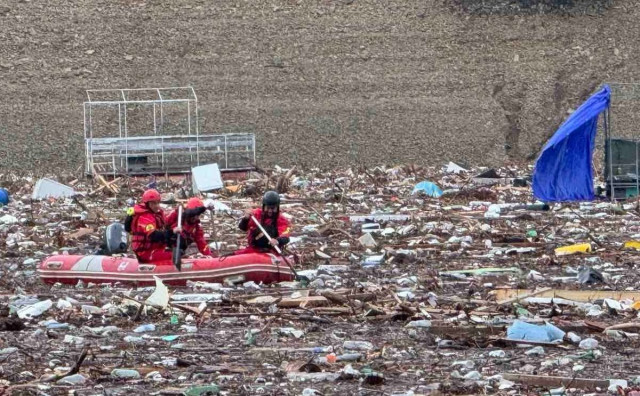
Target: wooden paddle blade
[(177, 255)]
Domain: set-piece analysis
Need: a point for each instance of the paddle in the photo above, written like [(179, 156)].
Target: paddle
[(303, 279), (177, 253)]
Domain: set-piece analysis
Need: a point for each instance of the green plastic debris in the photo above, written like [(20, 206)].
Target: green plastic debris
[(532, 234), (250, 338), (522, 312), (207, 390), (170, 338), (174, 319), (589, 355)]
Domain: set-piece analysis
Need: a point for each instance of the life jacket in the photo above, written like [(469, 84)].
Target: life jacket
[(140, 239), (275, 226)]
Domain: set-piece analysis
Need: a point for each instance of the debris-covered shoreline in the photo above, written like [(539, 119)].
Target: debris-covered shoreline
[(415, 288)]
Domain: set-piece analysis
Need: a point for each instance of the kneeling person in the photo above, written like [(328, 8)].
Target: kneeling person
[(190, 230)]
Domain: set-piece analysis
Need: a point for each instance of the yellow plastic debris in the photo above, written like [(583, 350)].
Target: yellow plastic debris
[(632, 245), (573, 249), (636, 306)]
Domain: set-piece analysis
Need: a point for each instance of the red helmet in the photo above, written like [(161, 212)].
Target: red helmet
[(151, 196), (194, 203)]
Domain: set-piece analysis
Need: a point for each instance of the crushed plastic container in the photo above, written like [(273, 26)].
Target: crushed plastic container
[(349, 357), (75, 379), (125, 373), (588, 344), (145, 327), (34, 310), (419, 323), (8, 219), (373, 261), (358, 345), (573, 249)]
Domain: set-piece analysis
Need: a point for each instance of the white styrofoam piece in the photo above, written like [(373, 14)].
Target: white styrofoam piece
[(206, 178), (47, 188)]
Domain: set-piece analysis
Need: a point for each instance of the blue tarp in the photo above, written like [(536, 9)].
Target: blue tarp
[(563, 171)]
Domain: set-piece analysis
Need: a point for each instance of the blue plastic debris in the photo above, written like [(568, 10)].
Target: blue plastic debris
[(520, 330), (427, 188), (4, 197), (152, 183)]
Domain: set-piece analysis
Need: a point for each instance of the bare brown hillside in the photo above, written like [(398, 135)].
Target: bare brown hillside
[(326, 83)]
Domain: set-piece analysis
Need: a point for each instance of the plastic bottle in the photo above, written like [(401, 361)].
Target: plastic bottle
[(349, 357), (145, 327), (358, 345), (124, 373), (75, 379)]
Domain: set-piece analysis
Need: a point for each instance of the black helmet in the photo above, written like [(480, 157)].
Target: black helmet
[(271, 198)]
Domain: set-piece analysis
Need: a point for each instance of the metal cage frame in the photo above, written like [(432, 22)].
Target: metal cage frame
[(119, 146)]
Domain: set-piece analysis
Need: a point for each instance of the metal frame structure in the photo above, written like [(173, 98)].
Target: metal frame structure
[(173, 154), (157, 146), (620, 176)]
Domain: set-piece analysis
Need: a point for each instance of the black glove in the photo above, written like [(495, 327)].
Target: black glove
[(160, 235), (243, 225), (283, 240), (171, 238), (194, 212)]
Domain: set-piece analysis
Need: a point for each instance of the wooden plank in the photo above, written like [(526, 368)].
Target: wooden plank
[(574, 295), (556, 382), (483, 271), (465, 331), (520, 297), (103, 181), (110, 184), (332, 310), (80, 233), (508, 341), (312, 301)]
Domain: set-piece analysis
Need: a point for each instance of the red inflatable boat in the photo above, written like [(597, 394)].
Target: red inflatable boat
[(257, 267)]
